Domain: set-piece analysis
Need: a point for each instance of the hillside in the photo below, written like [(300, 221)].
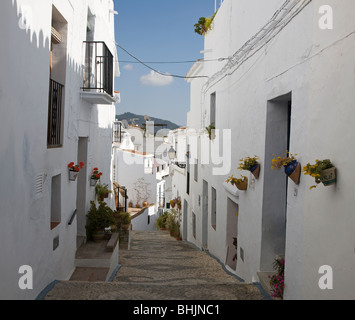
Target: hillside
[(139, 120)]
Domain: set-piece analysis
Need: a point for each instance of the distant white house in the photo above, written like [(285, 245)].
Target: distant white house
[(58, 64), (276, 81), (141, 174)]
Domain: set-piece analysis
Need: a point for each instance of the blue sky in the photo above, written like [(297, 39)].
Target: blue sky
[(158, 30)]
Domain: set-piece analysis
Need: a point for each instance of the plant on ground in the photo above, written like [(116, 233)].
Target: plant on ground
[(99, 218), (277, 280)]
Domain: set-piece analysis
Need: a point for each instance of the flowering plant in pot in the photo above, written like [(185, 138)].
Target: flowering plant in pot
[(95, 176), (240, 183), (322, 171), (291, 166), (74, 170), (251, 164)]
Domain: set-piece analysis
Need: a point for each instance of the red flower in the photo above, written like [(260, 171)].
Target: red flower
[(76, 168), (97, 176), (70, 165), (81, 164)]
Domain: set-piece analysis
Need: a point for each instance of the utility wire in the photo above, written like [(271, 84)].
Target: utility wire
[(151, 68), (175, 62)]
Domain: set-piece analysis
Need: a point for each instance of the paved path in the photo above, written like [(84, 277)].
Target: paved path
[(158, 267)]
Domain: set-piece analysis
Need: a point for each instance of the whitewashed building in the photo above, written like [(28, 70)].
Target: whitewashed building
[(282, 79), (58, 64)]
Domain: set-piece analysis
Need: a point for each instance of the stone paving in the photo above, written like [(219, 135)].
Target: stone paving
[(158, 267)]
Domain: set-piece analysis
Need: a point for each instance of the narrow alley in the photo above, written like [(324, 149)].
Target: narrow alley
[(158, 267)]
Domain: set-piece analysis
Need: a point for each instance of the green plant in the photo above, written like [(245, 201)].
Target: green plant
[(234, 181), (172, 223), (204, 25), (99, 218), (102, 191), (247, 163), (316, 169), (283, 160), (123, 218), (160, 223), (210, 131), (277, 282)]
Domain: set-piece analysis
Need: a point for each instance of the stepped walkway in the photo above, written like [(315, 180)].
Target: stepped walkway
[(158, 267)]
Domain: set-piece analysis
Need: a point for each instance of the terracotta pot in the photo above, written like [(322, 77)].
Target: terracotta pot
[(328, 176), (145, 203), (255, 170), (293, 170), (242, 185)]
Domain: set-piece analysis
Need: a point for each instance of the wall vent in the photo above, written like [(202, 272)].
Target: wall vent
[(39, 185)]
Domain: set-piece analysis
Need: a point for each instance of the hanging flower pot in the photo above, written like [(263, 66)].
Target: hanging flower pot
[(241, 183), (74, 170), (328, 176), (255, 170), (72, 175), (251, 164), (93, 182), (322, 171), (293, 171), (291, 166)]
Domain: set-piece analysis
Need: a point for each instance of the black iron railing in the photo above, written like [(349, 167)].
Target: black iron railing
[(98, 75), (55, 112), (117, 131)]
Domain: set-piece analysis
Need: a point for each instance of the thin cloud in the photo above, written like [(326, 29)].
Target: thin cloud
[(155, 79), (128, 66)]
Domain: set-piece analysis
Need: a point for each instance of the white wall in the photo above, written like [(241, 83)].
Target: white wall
[(316, 67), (25, 214)]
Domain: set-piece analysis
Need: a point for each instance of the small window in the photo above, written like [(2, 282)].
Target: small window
[(196, 170), (193, 224), (213, 109), (214, 208), (56, 201)]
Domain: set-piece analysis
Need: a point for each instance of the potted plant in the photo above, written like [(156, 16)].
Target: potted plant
[(123, 220), (130, 204), (99, 218), (204, 25), (291, 166), (102, 191), (240, 183), (251, 164), (74, 170), (95, 176), (172, 203), (210, 131), (160, 223), (322, 171), (277, 282)]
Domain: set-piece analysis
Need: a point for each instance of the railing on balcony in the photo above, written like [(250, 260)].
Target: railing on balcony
[(117, 131), (55, 111), (98, 75)]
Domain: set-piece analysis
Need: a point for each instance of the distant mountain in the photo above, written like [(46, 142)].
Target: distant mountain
[(139, 120)]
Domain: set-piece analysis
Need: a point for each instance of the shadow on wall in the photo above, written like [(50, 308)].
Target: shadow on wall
[(24, 95)]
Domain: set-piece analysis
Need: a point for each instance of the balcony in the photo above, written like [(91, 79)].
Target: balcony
[(98, 74)]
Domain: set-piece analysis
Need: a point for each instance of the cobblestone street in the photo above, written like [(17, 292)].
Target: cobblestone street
[(158, 267)]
